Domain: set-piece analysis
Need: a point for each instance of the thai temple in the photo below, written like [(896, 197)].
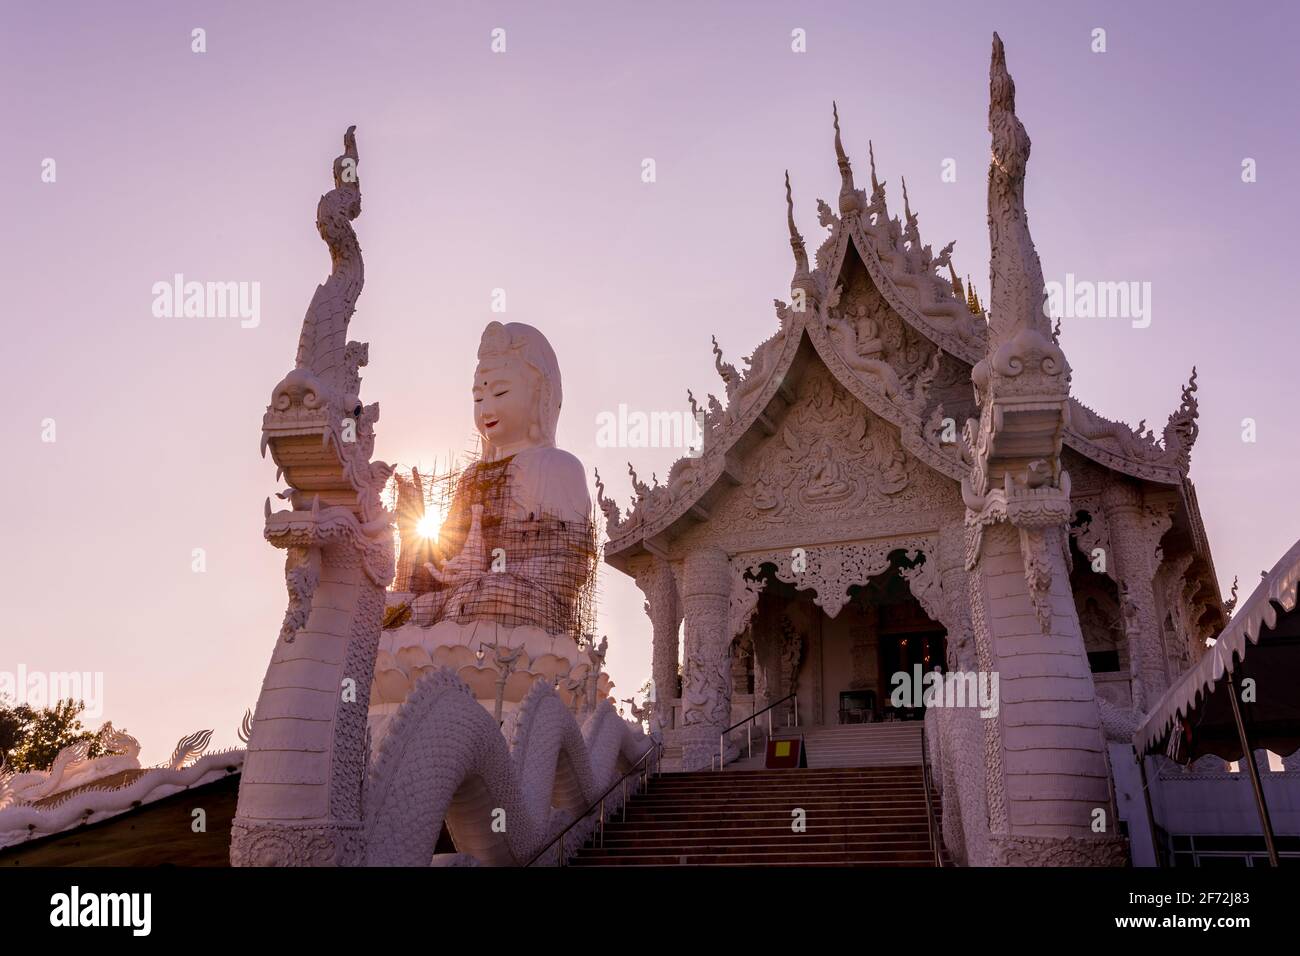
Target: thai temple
[(912, 602)]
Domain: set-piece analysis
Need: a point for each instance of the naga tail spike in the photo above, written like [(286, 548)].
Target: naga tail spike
[(325, 326), (345, 166), (1016, 288), (849, 201)]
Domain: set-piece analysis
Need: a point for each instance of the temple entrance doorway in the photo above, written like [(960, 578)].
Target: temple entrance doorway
[(841, 668)]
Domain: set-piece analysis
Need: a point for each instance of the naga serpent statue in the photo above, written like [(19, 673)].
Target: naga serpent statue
[(311, 791)]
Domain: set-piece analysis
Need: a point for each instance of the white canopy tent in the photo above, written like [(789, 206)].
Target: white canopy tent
[(1244, 693)]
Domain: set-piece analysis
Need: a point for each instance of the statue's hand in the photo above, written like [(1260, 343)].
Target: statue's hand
[(456, 570)]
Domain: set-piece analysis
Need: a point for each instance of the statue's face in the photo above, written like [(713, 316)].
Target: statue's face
[(505, 404)]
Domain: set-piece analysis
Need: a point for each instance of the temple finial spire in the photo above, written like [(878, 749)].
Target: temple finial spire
[(875, 183), (849, 201), (1016, 275), (972, 300), (957, 289), (1182, 428), (639, 487), (796, 240), (840, 156), (801, 285), (911, 231), (726, 371), (345, 166)]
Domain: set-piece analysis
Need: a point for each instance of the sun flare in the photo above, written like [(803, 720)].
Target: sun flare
[(427, 527)]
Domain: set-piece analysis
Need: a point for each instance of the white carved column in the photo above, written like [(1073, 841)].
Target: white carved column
[(1050, 733), (742, 657), (863, 631), (960, 732), (1135, 532), (664, 609), (767, 657), (706, 685), (960, 650)]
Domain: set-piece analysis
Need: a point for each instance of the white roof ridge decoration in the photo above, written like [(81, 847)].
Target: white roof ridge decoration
[(40, 811), (1278, 587), (25, 822), (1140, 453)]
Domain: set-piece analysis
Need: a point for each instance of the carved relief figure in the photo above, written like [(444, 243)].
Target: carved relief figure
[(829, 459)]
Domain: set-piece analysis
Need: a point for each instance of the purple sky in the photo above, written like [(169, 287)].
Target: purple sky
[(522, 171)]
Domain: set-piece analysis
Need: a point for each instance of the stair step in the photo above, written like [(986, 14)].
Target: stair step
[(781, 805), (720, 816), (750, 842), (784, 796), (827, 792), (726, 787), (831, 857), (898, 848), (720, 822), (867, 789), (842, 823), (808, 774), (718, 830), (719, 825), (748, 863)]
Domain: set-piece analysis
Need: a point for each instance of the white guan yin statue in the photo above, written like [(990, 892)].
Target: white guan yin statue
[(500, 601), (512, 530), (361, 750)]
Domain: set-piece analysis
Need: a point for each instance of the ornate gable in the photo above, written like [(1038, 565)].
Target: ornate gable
[(832, 470), (759, 409)]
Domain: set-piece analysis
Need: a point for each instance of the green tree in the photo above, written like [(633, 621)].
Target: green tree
[(30, 739), (15, 724)]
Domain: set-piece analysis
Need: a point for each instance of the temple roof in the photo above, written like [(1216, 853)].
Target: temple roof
[(154, 832), (78, 790), (910, 278)]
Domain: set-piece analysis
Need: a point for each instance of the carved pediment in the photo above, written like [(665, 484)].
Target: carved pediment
[(872, 338), (830, 461)]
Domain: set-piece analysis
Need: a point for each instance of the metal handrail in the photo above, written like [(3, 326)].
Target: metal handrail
[(931, 824), (722, 737), (655, 748)]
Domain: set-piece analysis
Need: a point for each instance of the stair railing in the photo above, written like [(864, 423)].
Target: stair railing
[(931, 822), (640, 769), (722, 737)]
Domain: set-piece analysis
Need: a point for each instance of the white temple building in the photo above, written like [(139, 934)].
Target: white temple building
[(902, 480)]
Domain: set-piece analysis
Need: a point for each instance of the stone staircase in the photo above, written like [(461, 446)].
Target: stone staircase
[(888, 744), (868, 813)]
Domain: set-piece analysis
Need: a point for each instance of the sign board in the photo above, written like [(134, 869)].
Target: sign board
[(785, 754)]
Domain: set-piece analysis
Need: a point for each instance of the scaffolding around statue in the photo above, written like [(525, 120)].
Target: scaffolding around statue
[(465, 555), (502, 596)]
